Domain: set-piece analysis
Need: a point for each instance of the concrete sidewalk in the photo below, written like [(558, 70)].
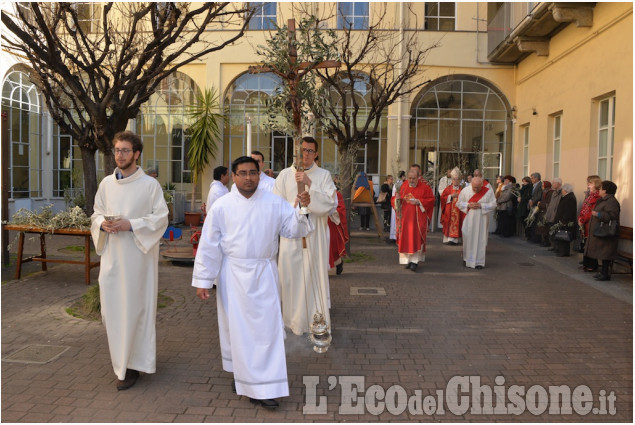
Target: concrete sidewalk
[(529, 317)]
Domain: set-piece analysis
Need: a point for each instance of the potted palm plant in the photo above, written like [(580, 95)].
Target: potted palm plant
[(204, 132)]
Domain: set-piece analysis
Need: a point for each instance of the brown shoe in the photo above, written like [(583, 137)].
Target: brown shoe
[(129, 381)]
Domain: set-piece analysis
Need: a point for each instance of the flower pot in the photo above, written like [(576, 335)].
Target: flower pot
[(192, 218)]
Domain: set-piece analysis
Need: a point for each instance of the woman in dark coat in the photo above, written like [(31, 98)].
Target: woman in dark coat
[(523, 204), (566, 216), (505, 209), (606, 209), (542, 231)]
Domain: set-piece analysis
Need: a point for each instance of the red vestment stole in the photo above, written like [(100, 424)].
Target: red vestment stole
[(338, 233), (452, 217), (478, 195), (413, 224)]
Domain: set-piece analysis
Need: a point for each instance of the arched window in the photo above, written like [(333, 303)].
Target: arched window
[(461, 121), (21, 104), (246, 98), (161, 124)]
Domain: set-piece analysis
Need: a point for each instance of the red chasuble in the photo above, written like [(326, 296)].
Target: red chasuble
[(412, 223), (339, 233), (452, 217)]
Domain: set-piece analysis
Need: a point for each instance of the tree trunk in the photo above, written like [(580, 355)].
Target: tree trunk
[(346, 155), (90, 178)]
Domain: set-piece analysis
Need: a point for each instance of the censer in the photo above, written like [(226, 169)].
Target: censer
[(320, 335)]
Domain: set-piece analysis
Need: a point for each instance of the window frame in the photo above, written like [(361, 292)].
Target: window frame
[(265, 22), (609, 128), (353, 19), (20, 96), (556, 139), (526, 140), (427, 19)]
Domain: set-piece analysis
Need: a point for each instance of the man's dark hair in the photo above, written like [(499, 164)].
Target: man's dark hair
[(243, 160), (609, 187), (259, 153), (402, 174), (309, 139), (130, 137), (219, 172)]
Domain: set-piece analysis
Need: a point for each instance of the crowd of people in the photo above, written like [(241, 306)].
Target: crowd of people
[(548, 215), (267, 245), (542, 212)]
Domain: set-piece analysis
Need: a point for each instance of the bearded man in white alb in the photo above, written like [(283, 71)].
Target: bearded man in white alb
[(477, 202), (304, 271), (238, 245), (130, 216)]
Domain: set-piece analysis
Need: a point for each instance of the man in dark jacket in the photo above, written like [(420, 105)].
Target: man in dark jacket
[(536, 197), (566, 216)]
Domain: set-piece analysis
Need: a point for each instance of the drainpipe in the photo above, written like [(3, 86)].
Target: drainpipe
[(400, 104)]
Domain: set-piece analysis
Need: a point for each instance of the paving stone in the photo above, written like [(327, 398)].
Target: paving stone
[(544, 325)]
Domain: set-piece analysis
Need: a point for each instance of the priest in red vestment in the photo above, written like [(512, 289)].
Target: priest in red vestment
[(451, 216), (415, 206), (338, 235)]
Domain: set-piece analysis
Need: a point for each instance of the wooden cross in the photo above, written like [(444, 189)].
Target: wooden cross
[(292, 78)]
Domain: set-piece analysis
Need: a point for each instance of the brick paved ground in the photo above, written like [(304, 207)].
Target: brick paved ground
[(528, 317)]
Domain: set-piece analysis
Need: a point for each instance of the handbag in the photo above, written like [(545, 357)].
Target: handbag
[(563, 235), (382, 197), (606, 229), (580, 241)]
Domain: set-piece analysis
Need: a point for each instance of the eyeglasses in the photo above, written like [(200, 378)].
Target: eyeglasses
[(309, 151), (122, 151), (251, 173)]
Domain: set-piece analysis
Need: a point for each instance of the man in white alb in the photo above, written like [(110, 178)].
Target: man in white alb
[(477, 202), (218, 187), (130, 216), (244, 269), (443, 183), (304, 271), (266, 182)]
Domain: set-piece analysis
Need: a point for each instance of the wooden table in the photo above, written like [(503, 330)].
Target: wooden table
[(22, 229)]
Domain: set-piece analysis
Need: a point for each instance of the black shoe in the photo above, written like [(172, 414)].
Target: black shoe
[(267, 403), (479, 267), (339, 268), (233, 386), (129, 380), (452, 243), (413, 267), (602, 278), (408, 265)]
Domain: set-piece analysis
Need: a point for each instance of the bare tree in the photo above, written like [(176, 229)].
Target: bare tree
[(96, 67), (378, 67)]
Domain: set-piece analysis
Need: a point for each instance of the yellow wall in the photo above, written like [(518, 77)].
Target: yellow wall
[(583, 64)]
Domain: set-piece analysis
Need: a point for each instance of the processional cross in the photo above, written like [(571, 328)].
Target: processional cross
[(292, 77)]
